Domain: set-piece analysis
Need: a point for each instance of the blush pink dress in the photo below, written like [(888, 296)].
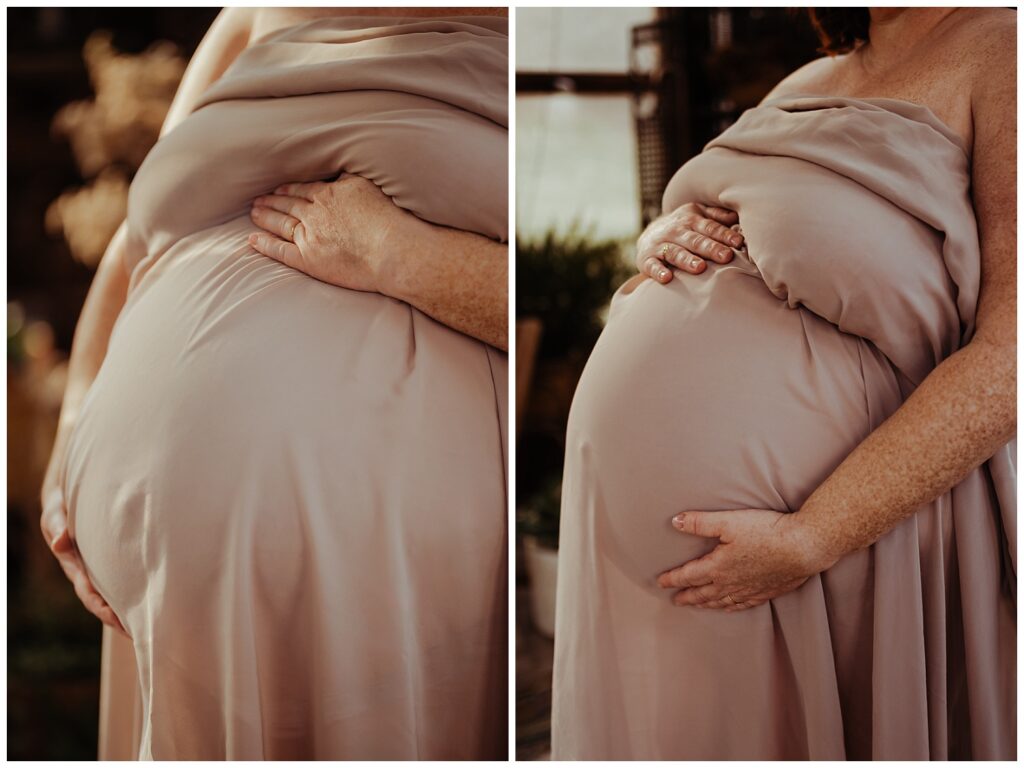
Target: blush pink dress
[(859, 274), (292, 494)]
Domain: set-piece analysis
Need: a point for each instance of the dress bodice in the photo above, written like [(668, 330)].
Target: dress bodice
[(418, 106), (857, 209)]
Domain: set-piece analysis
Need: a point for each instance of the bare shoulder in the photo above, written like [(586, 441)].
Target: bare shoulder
[(266, 20), (984, 27), (984, 41), (235, 20)]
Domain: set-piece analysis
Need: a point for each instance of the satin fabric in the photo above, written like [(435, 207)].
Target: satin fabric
[(293, 494), (744, 387)]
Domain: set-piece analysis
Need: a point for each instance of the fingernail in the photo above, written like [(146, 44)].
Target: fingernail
[(663, 273), (723, 254), (735, 239), (678, 520), (695, 263)]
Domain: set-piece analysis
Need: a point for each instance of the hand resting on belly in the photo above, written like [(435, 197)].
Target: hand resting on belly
[(350, 234)]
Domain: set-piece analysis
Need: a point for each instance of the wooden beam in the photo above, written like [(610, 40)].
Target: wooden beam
[(579, 82)]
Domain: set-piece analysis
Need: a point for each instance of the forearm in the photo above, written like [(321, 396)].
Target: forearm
[(955, 420), (458, 278), (102, 306)]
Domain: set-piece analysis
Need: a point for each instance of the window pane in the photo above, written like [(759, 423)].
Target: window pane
[(576, 163), (576, 39)]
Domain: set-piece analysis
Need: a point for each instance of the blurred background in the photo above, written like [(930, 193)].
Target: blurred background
[(610, 102), (87, 89)]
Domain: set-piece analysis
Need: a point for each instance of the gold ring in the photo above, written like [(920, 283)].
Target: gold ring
[(291, 233), (664, 251)]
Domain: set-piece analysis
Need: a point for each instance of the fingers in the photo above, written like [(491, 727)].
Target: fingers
[(731, 604), (54, 524), (652, 267), (670, 254), (705, 245), (714, 597), (717, 597), (719, 214), (306, 190), (680, 257), (686, 238), (61, 543), (695, 573), (74, 569), (744, 605), (281, 224), (707, 524), (294, 206), (721, 234), (724, 603), (276, 248), (697, 595), (54, 517)]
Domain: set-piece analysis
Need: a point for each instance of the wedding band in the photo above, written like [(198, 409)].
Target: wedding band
[(731, 599), (291, 233), (664, 251)]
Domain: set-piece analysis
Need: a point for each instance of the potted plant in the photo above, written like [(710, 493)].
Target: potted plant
[(565, 281), (538, 524)]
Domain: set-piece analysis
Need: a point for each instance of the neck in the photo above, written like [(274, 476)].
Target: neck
[(895, 31)]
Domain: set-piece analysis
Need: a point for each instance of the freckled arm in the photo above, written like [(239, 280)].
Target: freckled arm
[(966, 408)]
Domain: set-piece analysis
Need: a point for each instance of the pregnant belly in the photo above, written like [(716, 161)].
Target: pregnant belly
[(245, 407), (709, 393)]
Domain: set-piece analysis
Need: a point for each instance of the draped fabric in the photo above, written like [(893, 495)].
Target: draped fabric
[(744, 387), (293, 494)]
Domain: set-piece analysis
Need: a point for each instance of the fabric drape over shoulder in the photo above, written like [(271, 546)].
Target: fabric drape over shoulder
[(418, 106)]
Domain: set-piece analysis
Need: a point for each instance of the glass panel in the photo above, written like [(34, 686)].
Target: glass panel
[(576, 39), (576, 163)]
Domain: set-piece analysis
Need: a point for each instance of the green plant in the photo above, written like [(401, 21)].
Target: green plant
[(541, 514), (567, 280)]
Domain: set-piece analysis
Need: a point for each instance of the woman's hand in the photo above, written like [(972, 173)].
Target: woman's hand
[(761, 555), (342, 232), (103, 305), (686, 237), (54, 523), (350, 234)]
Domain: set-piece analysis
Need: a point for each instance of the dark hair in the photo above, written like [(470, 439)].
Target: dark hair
[(840, 29)]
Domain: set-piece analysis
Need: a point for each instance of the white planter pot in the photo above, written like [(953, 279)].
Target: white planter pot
[(542, 569)]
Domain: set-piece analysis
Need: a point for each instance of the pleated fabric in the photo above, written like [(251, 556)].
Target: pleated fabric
[(293, 494), (744, 387)]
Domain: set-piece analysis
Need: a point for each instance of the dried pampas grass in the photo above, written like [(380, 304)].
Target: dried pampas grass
[(110, 137), (133, 94), (89, 216)]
